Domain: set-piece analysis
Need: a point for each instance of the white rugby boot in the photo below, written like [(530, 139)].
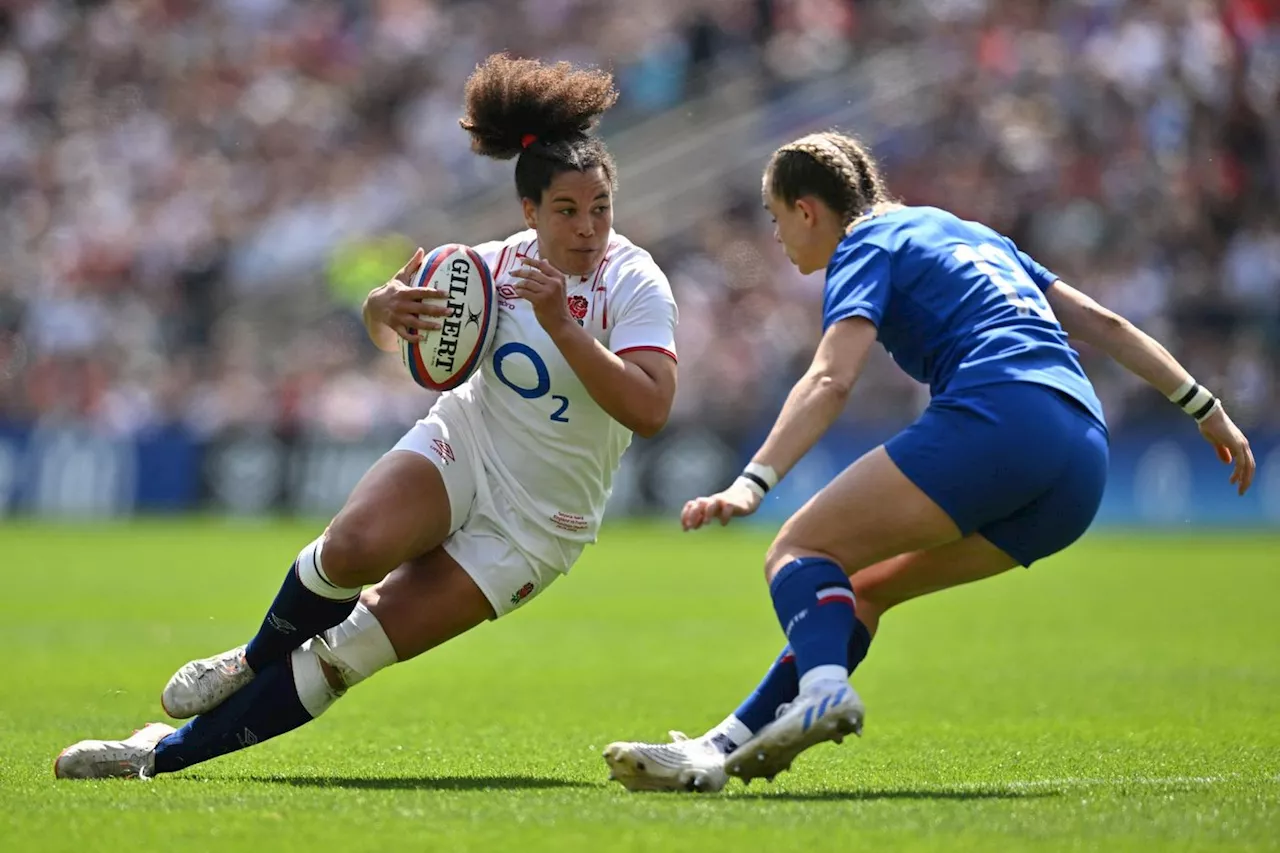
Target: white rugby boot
[(683, 765), (828, 711), (202, 685), (131, 758)]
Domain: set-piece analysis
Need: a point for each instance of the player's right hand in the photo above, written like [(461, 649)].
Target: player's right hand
[(407, 310), (1232, 447), (734, 501)]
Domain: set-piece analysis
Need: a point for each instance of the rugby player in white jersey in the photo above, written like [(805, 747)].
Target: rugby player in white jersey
[(490, 498)]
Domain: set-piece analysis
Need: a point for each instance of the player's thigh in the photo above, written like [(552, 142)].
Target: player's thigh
[(890, 582), (426, 602), (405, 505), (973, 458), (496, 549), (870, 512)]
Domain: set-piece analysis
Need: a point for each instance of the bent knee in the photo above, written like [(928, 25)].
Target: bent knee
[(786, 549), (354, 554), (875, 592)]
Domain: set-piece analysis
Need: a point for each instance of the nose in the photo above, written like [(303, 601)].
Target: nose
[(586, 228), (777, 235)]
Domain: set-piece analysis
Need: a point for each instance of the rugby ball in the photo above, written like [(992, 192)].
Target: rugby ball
[(446, 357)]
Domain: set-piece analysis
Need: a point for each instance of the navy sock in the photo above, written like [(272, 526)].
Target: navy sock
[(297, 615), (781, 684), (859, 644), (263, 708), (814, 603)]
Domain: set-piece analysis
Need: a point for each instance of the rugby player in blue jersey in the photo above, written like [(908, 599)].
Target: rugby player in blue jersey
[(1006, 466)]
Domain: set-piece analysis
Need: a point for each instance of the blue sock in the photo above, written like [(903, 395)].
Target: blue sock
[(781, 684), (859, 644), (307, 604), (263, 708), (814, 603)]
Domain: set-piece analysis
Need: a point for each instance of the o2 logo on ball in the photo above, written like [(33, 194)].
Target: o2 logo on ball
[(541, 385)]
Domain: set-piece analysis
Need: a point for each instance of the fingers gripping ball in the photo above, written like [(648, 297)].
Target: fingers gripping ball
[(444, 358)]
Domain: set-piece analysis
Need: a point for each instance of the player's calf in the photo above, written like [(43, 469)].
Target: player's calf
[(309, 602)]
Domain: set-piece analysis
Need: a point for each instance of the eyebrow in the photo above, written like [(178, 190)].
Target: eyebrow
[(560, 198)]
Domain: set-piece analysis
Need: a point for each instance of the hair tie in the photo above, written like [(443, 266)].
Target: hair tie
[(528, 139)]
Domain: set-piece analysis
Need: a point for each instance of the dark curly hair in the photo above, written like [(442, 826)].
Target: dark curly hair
[(542, 113)]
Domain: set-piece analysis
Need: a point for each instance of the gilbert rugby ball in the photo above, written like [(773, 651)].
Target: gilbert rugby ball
[(446, 357)]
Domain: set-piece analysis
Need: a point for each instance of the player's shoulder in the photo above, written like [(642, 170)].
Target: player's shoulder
[(626, 264), (500, 254), (900, 224), (916, 233)]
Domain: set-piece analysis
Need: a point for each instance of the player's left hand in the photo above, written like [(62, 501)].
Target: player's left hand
[(737, 500), (1231, 446), (544, 287)]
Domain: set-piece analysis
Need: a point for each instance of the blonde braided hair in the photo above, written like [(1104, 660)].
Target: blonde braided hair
[(857, 189)]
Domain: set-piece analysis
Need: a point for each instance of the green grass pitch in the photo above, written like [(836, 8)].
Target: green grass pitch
[(1122, 696)]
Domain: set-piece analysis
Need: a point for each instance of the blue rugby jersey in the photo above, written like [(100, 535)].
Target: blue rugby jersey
[(956, 304)]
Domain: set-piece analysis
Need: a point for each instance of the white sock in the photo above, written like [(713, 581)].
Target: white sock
[(819, 674), (358, 646), (729, 735), (312, 575), (314, 691)]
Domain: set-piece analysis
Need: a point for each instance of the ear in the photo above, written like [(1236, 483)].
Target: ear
[(807, 209), (530, 212)]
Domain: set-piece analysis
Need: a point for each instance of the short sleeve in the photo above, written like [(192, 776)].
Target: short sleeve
[(643, 310), (500, 254), (489, 252), (1041, 276), (858, 284)]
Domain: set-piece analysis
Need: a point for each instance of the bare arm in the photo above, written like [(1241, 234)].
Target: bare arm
[(636, 388), (1142, 355), (813, 405), (820, 396), (1135, 350)]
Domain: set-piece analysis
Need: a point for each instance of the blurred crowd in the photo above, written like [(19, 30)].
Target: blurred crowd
[(172, 173)]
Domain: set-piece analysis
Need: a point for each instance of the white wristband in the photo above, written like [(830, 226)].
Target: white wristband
[(752, 485), (764, 472), (758, 478), (1182, 390), (1195, 399), (1217, 406)]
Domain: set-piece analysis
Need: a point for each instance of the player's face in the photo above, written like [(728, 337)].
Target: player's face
[(808, 236), (573, 220)]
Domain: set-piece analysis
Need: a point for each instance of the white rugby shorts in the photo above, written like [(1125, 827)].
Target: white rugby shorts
[(488, 536)]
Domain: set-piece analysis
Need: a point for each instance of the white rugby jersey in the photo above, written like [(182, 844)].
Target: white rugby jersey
[(544, 441)]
